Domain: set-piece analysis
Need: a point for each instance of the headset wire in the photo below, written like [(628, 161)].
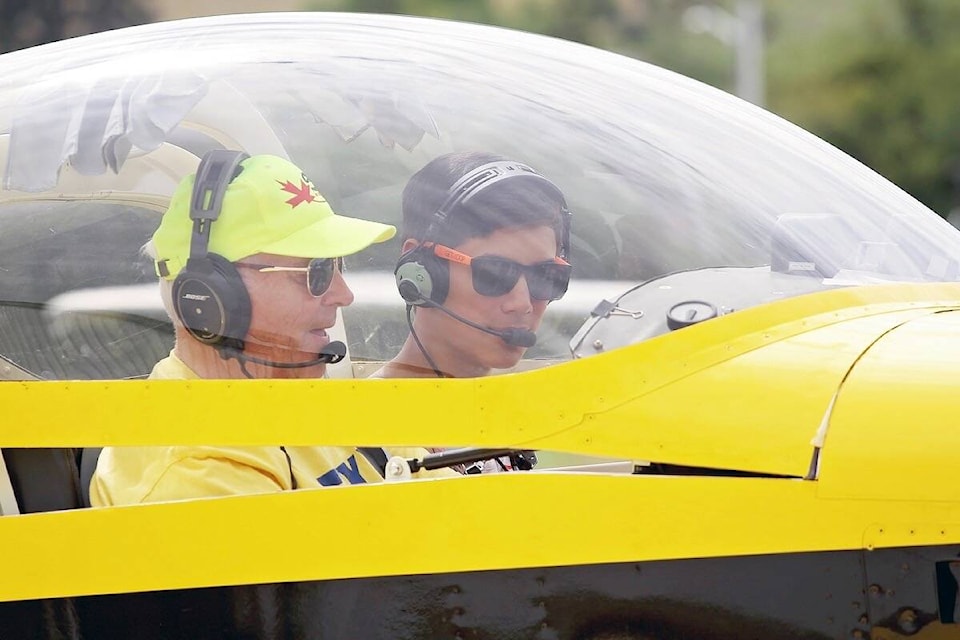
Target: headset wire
[(423, 350)]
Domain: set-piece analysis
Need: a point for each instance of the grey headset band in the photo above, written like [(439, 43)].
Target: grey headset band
[(478, 179), (215, 172)]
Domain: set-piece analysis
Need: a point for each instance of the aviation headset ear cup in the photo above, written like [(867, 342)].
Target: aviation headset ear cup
[(211, 300), (422, 277)]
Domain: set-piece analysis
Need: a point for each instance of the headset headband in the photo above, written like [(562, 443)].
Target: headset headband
[(216, 170), (486, 175)]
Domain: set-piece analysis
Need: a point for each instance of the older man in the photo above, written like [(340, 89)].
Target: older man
[(249, 259)]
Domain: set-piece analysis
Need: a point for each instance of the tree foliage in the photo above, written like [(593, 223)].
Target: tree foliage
[(887, 95), (25, 23)]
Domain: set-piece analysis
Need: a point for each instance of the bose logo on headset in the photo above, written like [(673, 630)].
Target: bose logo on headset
[(424, 279)]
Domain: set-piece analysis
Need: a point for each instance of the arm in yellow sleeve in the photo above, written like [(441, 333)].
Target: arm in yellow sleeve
[(156, 474)]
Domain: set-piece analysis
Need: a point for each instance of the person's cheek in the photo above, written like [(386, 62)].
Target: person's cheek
[(539, 308)]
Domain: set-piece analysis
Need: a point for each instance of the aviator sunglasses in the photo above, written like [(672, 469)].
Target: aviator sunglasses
[(496, 276), (319, 272)]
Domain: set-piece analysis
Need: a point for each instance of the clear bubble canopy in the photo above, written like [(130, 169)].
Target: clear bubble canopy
[(686, 202)]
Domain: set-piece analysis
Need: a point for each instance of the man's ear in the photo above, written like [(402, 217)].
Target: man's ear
[(409, 245)]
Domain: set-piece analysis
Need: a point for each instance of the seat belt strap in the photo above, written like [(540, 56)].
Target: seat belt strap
[(377, 457)]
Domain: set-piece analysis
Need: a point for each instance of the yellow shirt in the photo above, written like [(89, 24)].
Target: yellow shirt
[(132, 475)]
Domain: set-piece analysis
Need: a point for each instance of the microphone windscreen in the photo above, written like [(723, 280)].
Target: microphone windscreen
[(333, 352), (519, 337)]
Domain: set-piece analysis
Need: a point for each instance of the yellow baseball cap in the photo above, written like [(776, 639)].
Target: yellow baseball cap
[(270, 207)]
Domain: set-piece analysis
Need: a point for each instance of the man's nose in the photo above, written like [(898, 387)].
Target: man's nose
[(339, 294), (518, 299)]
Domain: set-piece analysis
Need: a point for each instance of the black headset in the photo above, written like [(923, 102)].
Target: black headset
[(422, 277), (208, 294)]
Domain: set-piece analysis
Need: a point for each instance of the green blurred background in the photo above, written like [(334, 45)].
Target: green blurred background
[(873, 77)]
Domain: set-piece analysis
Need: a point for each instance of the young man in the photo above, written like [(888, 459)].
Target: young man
[(248, 254), (484, 251)]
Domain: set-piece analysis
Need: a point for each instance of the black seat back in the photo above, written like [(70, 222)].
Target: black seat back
[(44, 479)]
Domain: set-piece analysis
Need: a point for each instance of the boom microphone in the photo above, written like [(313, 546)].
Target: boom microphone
[(332, 353), (512, 336), (515, 337)]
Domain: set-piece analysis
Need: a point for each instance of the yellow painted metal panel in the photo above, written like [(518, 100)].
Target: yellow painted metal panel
[(655, 400), (755, 412), (895, 430), (421, 527), (744, 390)]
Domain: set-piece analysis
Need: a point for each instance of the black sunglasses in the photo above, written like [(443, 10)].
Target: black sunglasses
[(319, 272), (496, 276)]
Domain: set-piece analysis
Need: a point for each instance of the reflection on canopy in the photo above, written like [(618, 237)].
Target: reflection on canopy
[(663, 175)]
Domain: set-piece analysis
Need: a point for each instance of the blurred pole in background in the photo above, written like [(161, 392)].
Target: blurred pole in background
[(742, 30), (750, 76)]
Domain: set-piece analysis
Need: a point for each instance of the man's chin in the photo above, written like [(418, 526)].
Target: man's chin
[(301, 364), (508, 356)]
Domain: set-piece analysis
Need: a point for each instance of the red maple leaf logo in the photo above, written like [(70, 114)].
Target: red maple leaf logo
[(303, 193)]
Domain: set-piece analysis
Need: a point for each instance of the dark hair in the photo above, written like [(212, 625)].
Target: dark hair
[(517, 202)]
